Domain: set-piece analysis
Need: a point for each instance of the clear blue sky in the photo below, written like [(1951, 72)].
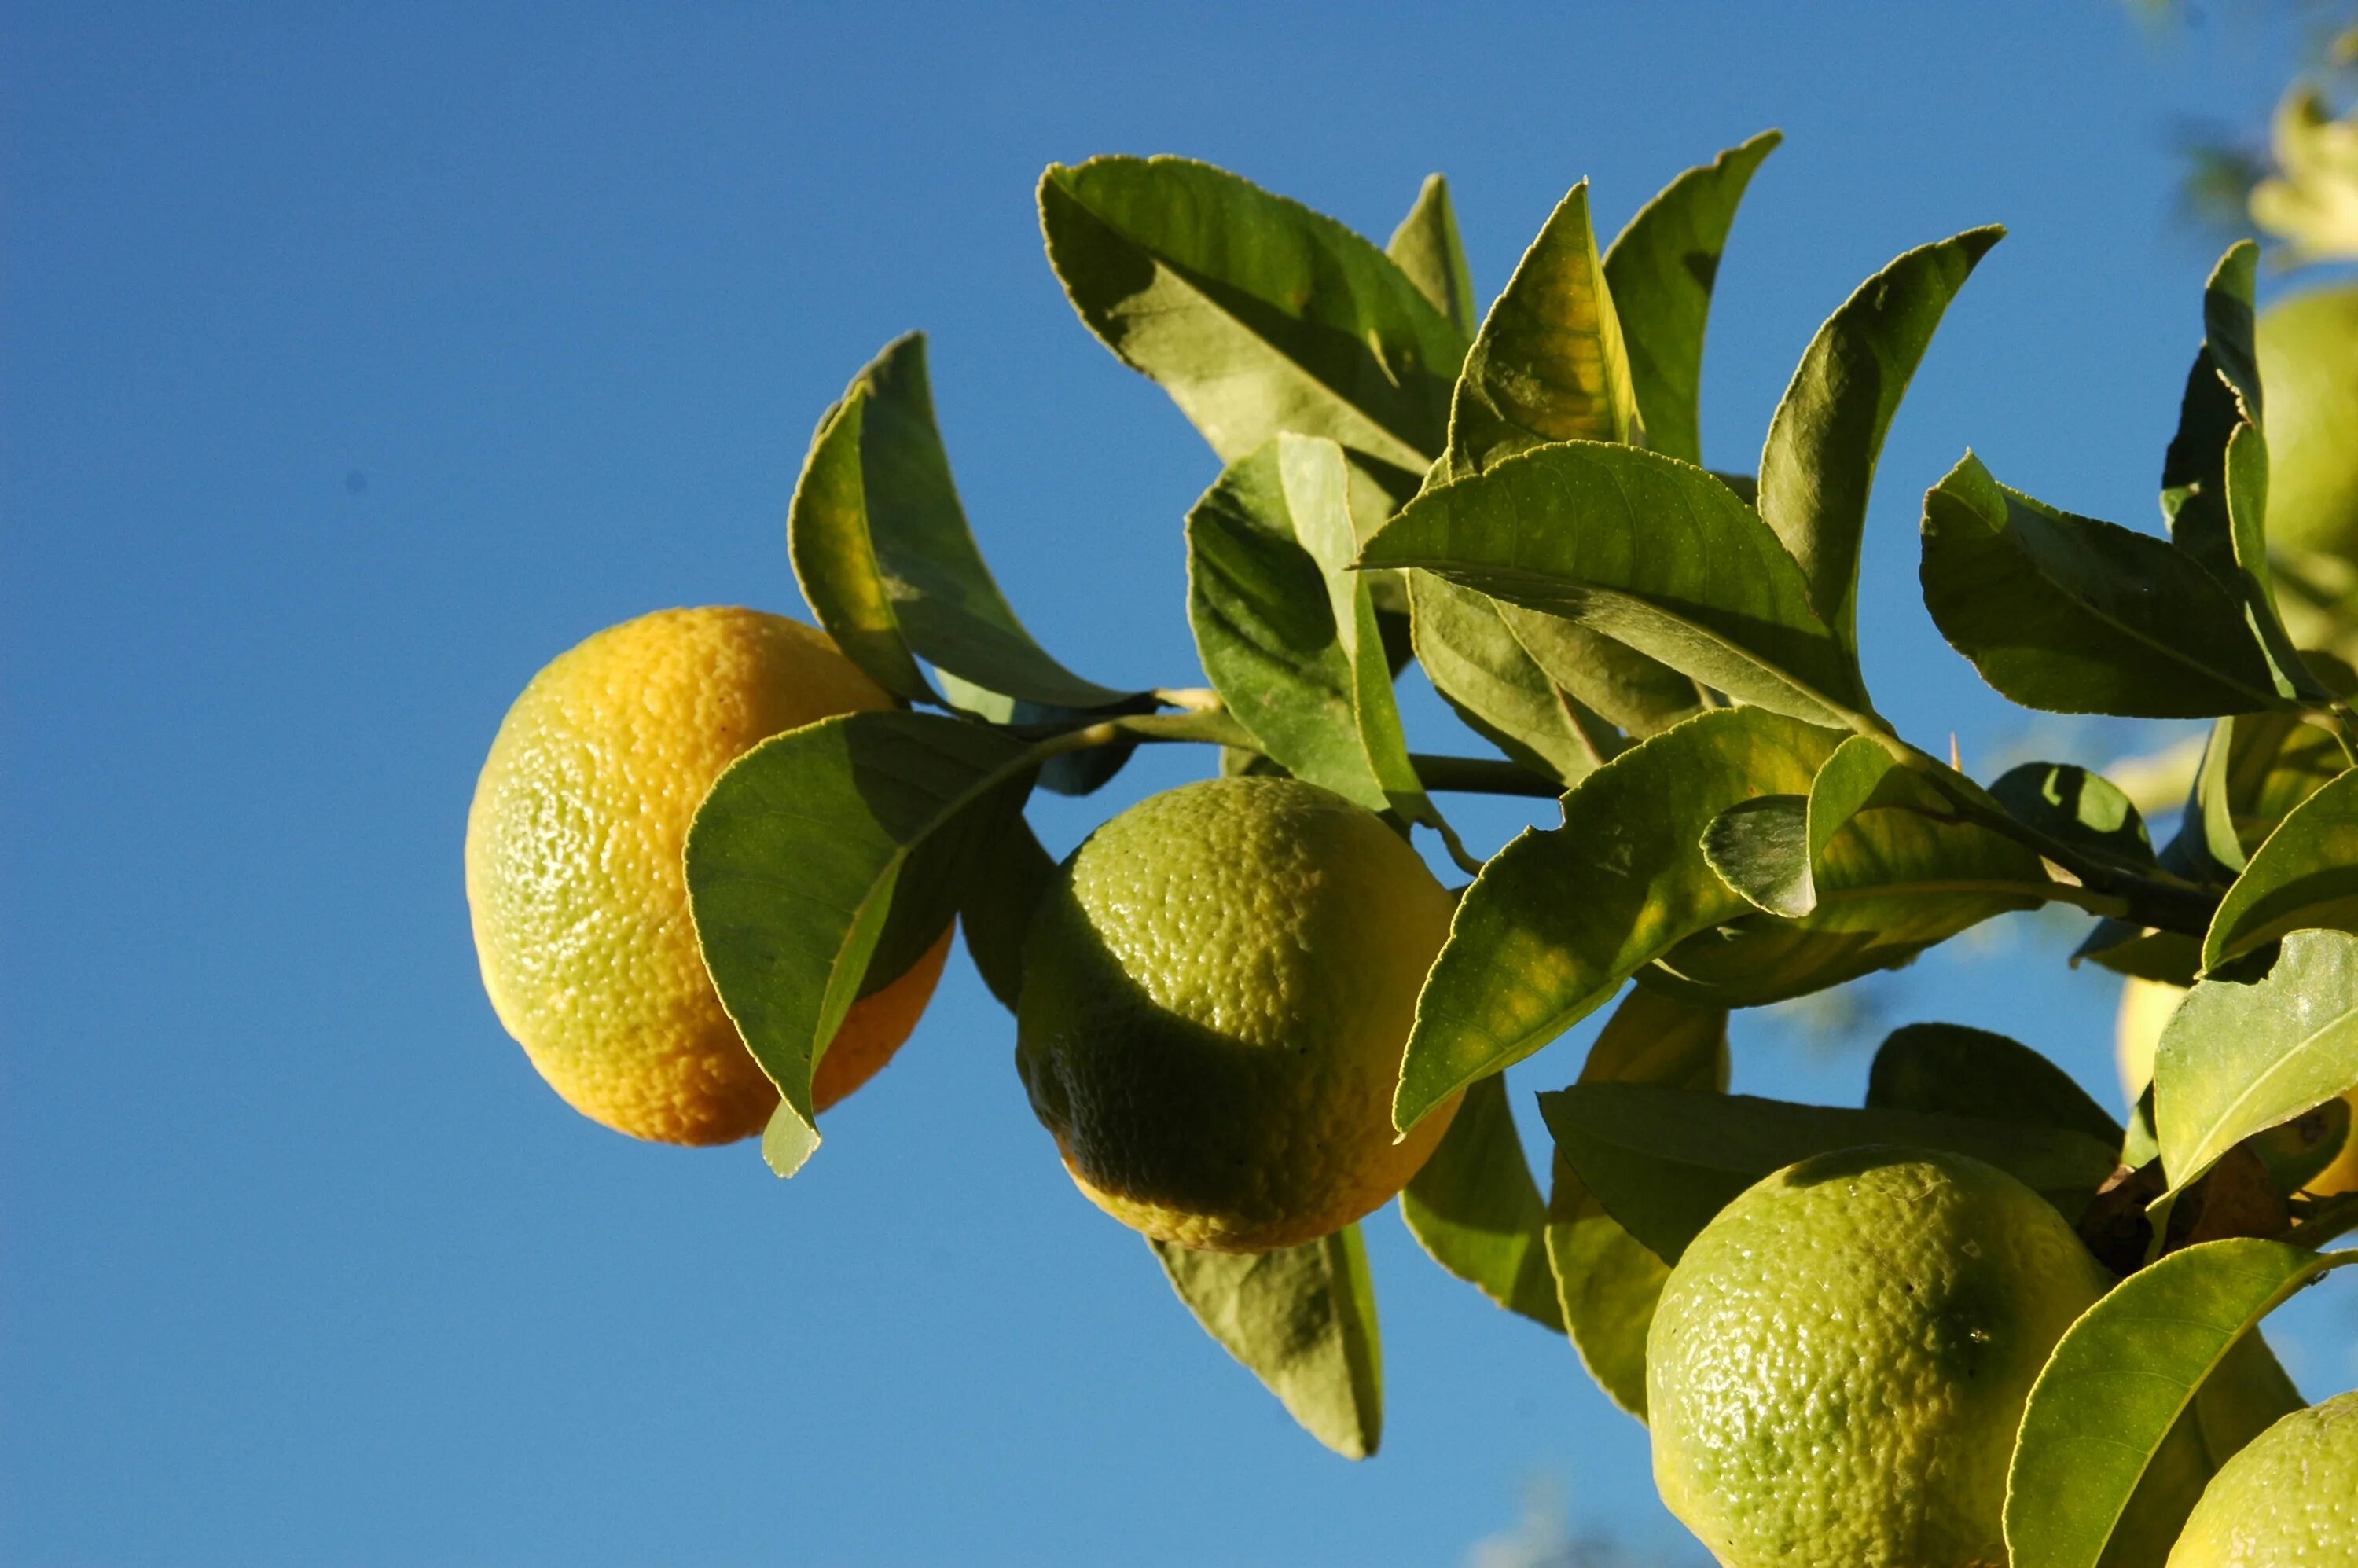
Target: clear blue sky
[(356, 361)]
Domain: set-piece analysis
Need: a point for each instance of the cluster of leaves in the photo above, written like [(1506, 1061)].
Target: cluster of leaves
[(1519, 505)]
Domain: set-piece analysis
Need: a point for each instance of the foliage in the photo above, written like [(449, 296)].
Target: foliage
[(1518, 504)]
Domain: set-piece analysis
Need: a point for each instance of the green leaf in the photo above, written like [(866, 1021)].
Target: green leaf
[(2241, 1055), (2273, 762), (1011, 872), (1560, 918), (1947, 1070), (1480, 668), (1478, 1212), (1549, 363), (2123, 1377), (2306, 874), (2248, 1393), (1303, 1321), (1081, 772), (1661, 270), (1287, 630), (2227, 324), (1663, 1162), (823, 862), (2207, 848), (881, 548), (1819, 464), (1761, 849), (2072, 615), (1872, 868), (2193, 470), (2255, 581), (1427, 248), (1618, 683), (2145, 953), (1607, 1281), (2084, 809), (1256, 315), (1649, 551)]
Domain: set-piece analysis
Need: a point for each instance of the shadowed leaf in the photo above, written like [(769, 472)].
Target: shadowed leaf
[(2072, 615), (1947, 1070), (1663, 1162), (1303, 1321), (824, 861), (1606, 1279), (1478, 1212)]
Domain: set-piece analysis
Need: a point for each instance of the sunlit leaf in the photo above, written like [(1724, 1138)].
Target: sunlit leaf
[(1256, 315), (1661, 270), (1427, 248), (1819, 465), (2121, 1380), (1549, 364), (2082, 809), (1560, 918), (2305, 874), (885, 555), (1648, 550), (2241, 1055), (1303, 1321)]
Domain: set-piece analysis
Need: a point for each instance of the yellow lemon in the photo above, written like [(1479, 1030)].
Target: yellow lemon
[(2288, 1501), (1839, 1361), (1217, 995), (575, 881)]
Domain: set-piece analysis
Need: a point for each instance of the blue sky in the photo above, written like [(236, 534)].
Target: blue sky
[(358, 359)]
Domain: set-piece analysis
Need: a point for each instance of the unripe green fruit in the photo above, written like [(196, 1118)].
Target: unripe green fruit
[(1217, 995), (2308, 384)]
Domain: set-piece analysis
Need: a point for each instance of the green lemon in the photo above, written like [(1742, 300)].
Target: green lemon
[(1217, 994), (2288, 1501), (1839, 1362), (2308, 347)]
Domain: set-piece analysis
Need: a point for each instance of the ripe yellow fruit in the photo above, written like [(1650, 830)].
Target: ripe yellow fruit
[(2146, 1006), (1839, 1362), (2289, 1497), (1217, 995), (576, 885), (2308, 347)]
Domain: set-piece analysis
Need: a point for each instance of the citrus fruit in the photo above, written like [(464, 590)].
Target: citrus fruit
[(575, 881), (2308, 346), (1839, 1361), (2289, 1497), (1216, 994), (2146, 1006)]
